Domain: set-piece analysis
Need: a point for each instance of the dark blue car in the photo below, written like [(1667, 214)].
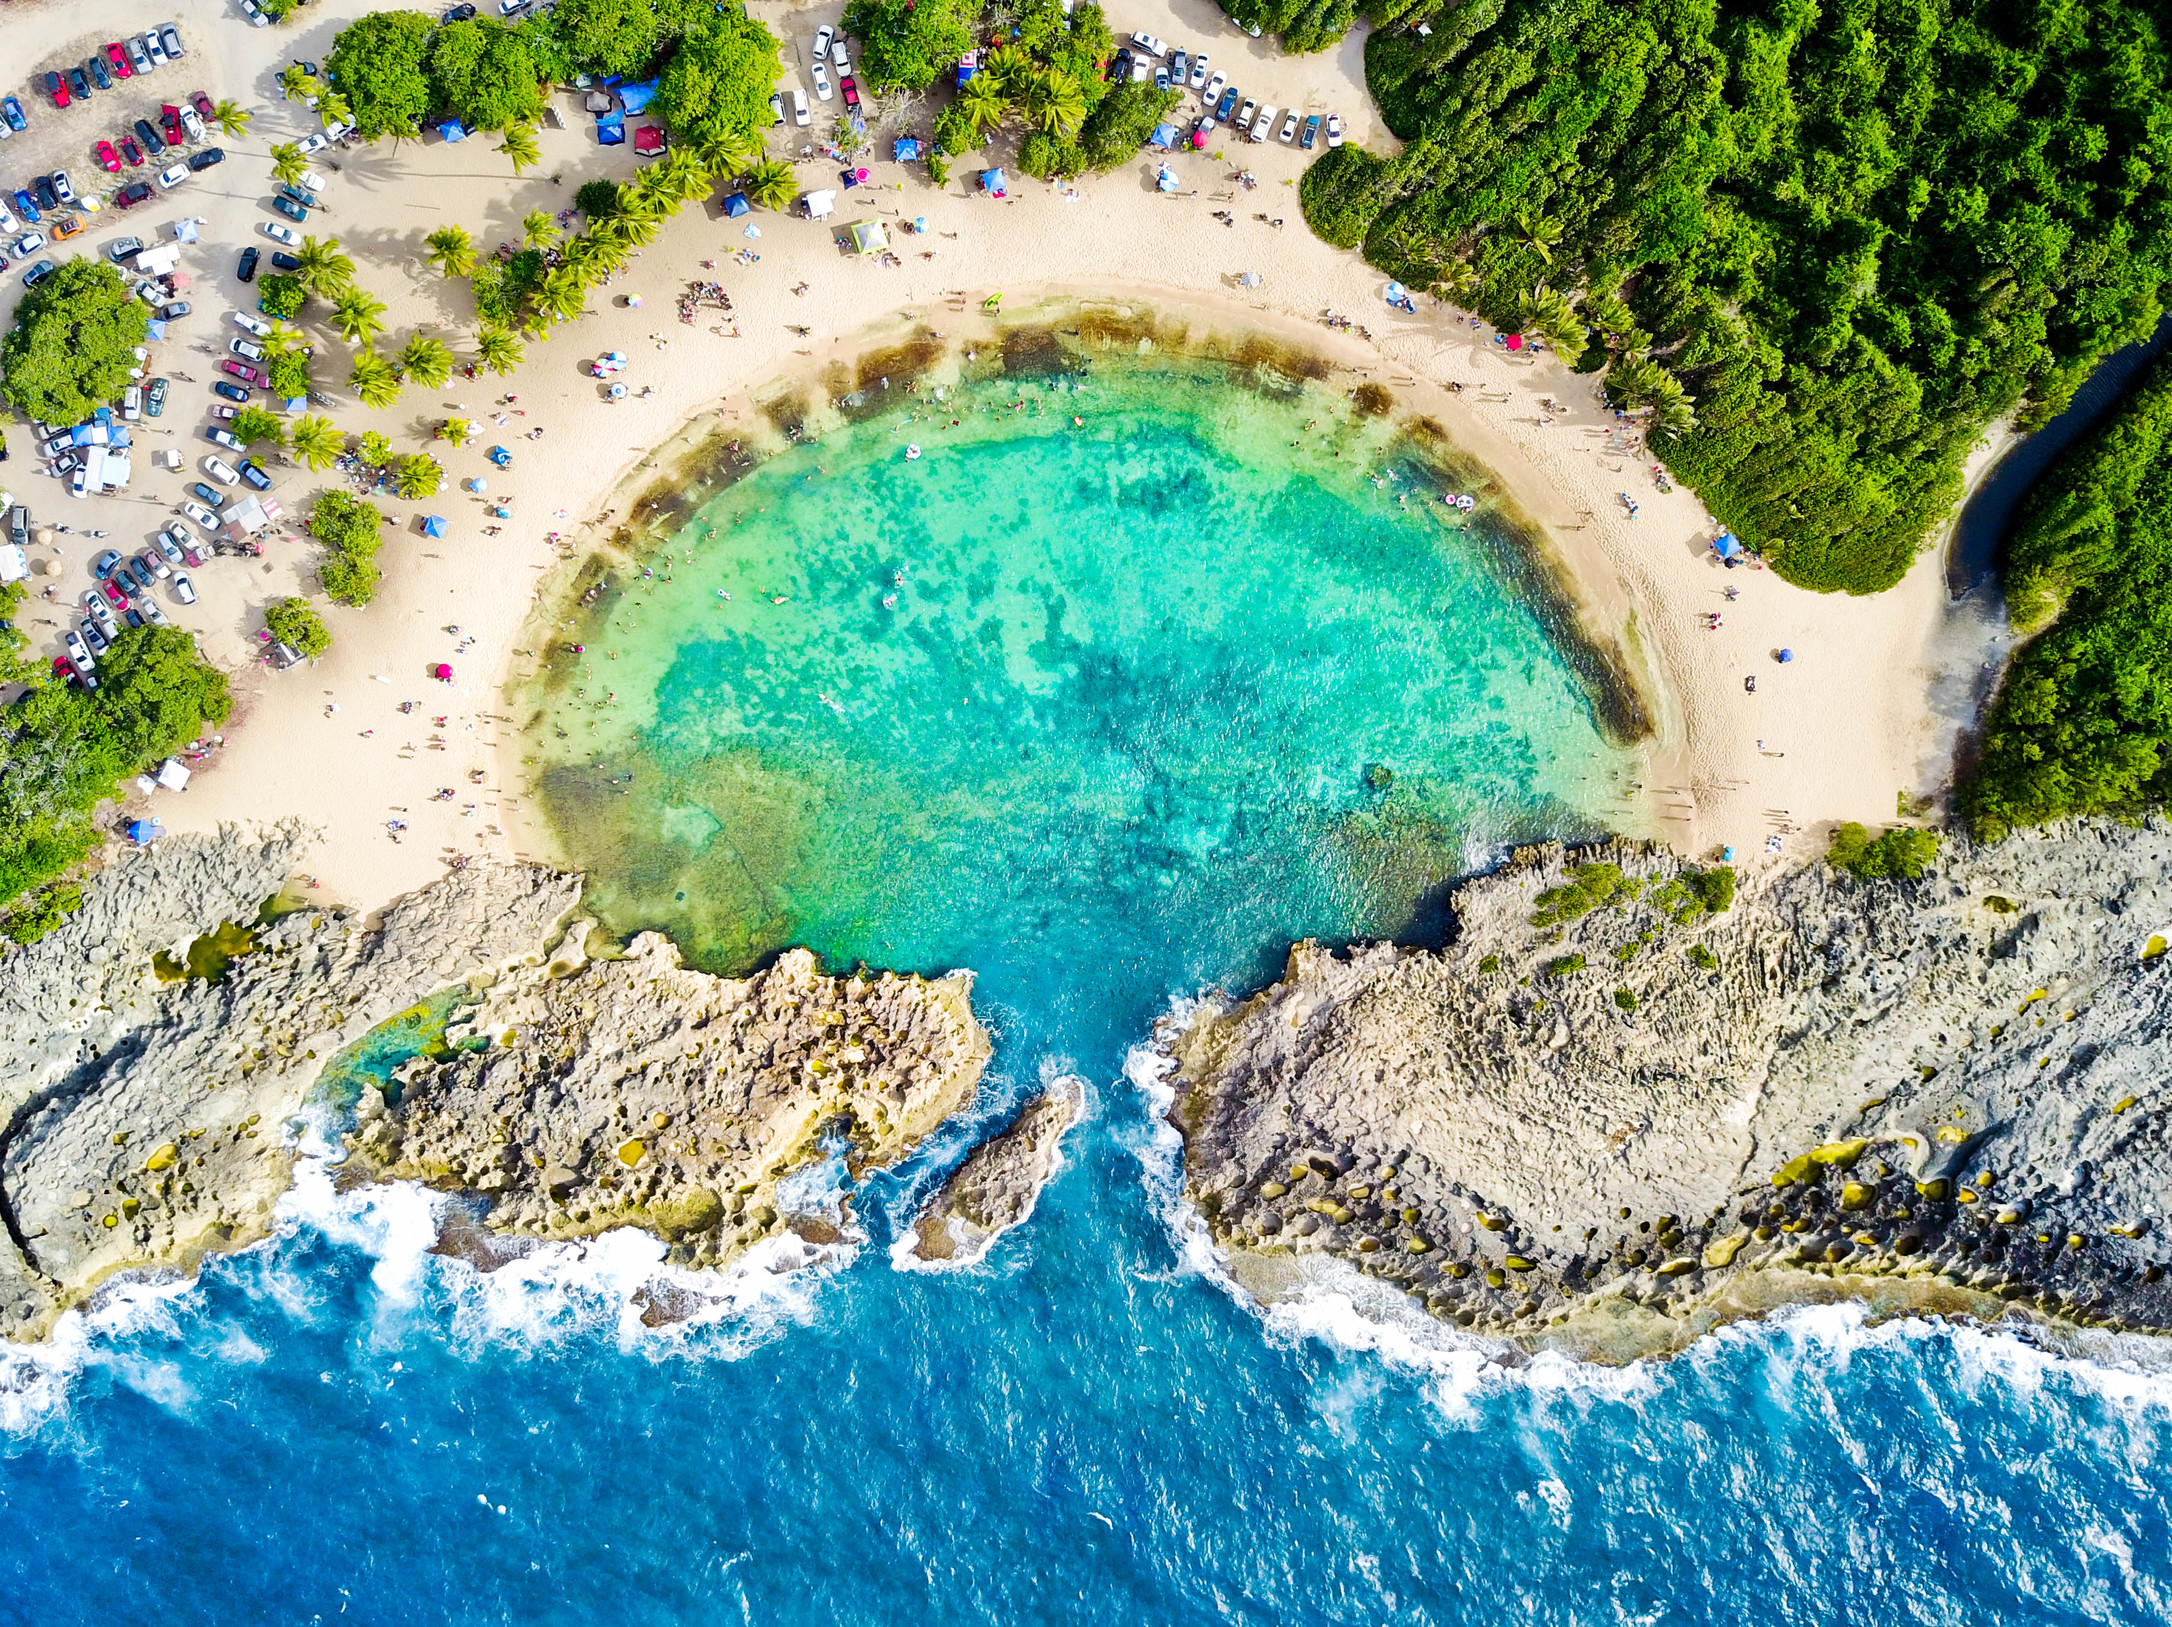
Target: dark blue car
[(254, 475), (1228, 104), (211, 498), (26, 205)]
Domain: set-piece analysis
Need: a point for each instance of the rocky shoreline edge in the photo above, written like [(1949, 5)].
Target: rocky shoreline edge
[(1609, 1117)]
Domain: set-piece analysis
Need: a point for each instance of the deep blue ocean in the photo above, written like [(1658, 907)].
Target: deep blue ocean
[(1154, 692)]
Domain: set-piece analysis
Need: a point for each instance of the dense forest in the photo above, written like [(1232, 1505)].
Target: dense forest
[(1824, 245), (2083, 722)]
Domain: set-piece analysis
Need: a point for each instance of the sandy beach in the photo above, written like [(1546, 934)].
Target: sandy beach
[(1840, 732)]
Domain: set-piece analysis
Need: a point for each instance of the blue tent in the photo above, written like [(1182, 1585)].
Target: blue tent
[(637, 97), (1164, 135), (453, 130), (907, 151), (991, 182), (737, 205), (1727, 545), (157, 328), (145, 831), (433, 526), (611, 129)]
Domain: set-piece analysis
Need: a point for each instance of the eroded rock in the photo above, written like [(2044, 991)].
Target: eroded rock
[(997, 1185)]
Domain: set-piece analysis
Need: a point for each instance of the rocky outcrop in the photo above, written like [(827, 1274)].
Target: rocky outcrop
[(636, 1092), (141, 1107), (999, 1182), (1613, 1130)]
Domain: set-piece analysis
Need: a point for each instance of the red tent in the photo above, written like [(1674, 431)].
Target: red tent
[(648, 139)]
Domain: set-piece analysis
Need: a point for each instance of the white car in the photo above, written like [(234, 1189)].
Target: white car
[(1199, 70), (149, 607), (1244, 116), (203, 517), (1264, 125), (8, 222), (78, 651), (821, 77), (800, 115), (132, 402), (1289, 127), (315, 142), (1215, 86), (63, 188), (244, 349), (193, 123), (282, 234), (226, 438), (100, 612), (838, 58), (1334, 129), (27, 245), (137, 57), (255, 14), (172, 177), (155, 48), (167, 546), (823, 36), (251, 324), (218, 470), (1149, 44), (183, 589), (309, 181)]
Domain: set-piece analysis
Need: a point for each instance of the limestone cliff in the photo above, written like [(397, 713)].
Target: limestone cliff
[(997, 1185), (1600, 1130), (141, 1107), (636, 1092)]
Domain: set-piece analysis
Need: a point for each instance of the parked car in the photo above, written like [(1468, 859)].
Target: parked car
[(104, 599), (839, 59), (27, 206), (169, 125), (108, 159), (225, 413), (776, 108), (1289, 126), (242, 347), (152, 614), (1334, 129), (8, 222), (183, 589), (254, 474), (1149, 44), (79, 82), (192, 123), (136, 576), (292, 210), (1180, 65), (132, 402), (132, 194), (153, 142), (138, 56), (1215, 86), (225, 438), (63, 188), (174, 309), (37, 273), (199, 162), (232, 392), (255, 13), (211, 495), (27, 245), (823, 36), (246, 373), (12, 111), (1244, 114), (251, 324), (57, 88), (458, 14), (102, 566), (117, 55), (1198, 75), (800, 115), (151, 562), (154, 397), (283, 261), (220, 470), (170, 37), (100, 74), (78, 651), (65, 229), (246, 270), (93, 634), (1312, 133), (132, 150), (167, 546), (47, 196), (282, 234), (1264, 125), (154, 47), (849, 89), (821, 77), (315, 142), (203, 105), (201, 516)]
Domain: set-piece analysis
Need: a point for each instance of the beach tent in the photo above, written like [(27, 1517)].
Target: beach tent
[(473, 483), (1250, 279), (907, 150), (184, 231), (868, 236), (453, 130), (968, 65), (145, 831), (819, 205), (648, 139), (501, 457), (636, 98), (596, 101), (173, 774), (611, 130), (1166, 179), (157, 329), (991, 182), (1727, 545), (433, 525), (737, 204), (1164, 136)]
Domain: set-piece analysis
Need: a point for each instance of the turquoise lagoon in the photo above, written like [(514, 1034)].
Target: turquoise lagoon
[(1158, 692)]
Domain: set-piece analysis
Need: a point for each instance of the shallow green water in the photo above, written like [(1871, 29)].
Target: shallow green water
[(1105, 710)]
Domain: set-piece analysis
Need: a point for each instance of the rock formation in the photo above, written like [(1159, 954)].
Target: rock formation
[(999, 1182), (638, 1093), (141, 1107), (1613, 1129)]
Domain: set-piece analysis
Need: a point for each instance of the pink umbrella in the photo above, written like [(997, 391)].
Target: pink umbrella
[(442, 672)]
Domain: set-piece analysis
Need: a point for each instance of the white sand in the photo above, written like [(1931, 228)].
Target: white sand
[(1845, 728)]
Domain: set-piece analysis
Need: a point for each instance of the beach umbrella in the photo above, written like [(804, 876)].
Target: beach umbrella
[(1250, 279), (920, 225), (1786, 656), (442, 673), (433, 525), (618, 392), (475, 483)]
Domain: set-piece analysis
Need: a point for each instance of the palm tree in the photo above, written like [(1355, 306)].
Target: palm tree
[(324, 269), (456, 430), (418, 475), (232, 118), (298, 84), (685, 174), (253, 426), (772, 184), (563, 296), (520, 146), (452, 250), (375, 382), (289, 163), (636, 230), (982, 105), (1540, 232), (539, 228), (358, 316), (1054, 101), (315, 441), (372, 448), (333, 109), (425, 360), (497, 351), (281, 341)]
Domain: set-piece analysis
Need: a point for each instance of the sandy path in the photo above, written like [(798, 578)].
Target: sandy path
[(1844, 728)]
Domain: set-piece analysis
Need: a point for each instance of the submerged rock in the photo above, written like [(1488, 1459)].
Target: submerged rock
[(636, 1092), (999, 1182), (1898, 1092)]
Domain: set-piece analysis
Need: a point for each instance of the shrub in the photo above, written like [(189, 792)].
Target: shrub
[(296, 624), (1562, 965), (1625, 999), (1046, 157), (598, 199), (33, 917), (351, 531), (280, 295), (1702, 958), (1903, 851), (1593, 887), (907, 44), (938, 168)]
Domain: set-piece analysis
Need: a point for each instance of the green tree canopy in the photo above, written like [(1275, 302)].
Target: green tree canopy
[(481, 72), (907, 44), (614, 36), (295, 623), (351, 531), (381, 65), (715, 94), (73, 343)]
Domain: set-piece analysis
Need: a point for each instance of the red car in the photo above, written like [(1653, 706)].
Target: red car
[(115, 592), (849, 90), (117, 54), (246, 373), (57, 88), (202, 104), (131, 195), (169, 118), (131, 151), (108, 159)]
